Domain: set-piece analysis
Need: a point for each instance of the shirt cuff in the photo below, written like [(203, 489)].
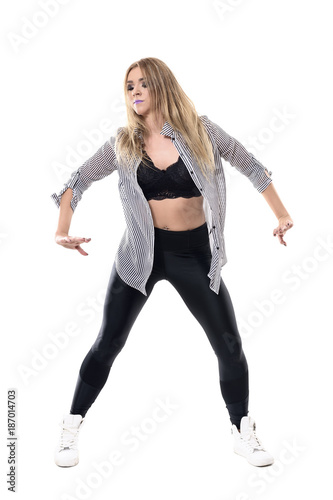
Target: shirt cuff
[(75, 198)]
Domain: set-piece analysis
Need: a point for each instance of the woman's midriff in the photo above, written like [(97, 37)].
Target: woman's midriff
[(178, 214)]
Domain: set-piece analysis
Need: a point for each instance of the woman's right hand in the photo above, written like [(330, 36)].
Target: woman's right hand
[(72, 242)]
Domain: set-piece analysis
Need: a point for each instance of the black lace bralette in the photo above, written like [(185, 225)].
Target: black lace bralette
[(171, 182)]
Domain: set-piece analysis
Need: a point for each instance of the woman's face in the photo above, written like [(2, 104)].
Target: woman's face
[(137, 91)]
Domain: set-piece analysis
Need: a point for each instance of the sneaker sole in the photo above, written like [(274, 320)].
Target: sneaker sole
[(256, 465), (67, 465)]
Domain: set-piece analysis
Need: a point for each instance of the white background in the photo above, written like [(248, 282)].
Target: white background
[(242, 63)]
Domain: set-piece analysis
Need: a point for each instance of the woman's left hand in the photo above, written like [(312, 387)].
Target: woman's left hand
[(285, 223)]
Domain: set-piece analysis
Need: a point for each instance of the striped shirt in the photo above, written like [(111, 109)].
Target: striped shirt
[(135, 254)]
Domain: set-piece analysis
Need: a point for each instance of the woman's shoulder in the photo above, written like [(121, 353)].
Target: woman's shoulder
[(205, 120)]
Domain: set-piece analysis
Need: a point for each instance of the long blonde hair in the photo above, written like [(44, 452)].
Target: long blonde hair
[(169, 100)]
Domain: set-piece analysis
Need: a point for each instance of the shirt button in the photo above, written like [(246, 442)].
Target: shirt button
[(191, 172), (213, 227), (217, 247)]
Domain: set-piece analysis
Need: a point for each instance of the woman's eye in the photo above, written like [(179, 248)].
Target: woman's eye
[(131, 86)]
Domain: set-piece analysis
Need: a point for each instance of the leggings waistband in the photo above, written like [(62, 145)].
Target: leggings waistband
[(178, 240)]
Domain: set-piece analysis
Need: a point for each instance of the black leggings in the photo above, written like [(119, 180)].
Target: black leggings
[(183, 258)]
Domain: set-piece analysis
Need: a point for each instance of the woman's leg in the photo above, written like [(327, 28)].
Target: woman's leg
[(186, 268), (121, 308)]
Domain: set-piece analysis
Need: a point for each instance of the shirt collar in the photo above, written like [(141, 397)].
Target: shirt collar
[(166, 130)]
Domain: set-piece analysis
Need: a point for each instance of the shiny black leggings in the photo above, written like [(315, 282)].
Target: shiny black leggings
[(183, 258)]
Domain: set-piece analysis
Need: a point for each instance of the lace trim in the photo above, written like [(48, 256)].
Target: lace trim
[(172, 182)]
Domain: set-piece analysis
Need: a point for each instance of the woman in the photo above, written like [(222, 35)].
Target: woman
[(172, 188)]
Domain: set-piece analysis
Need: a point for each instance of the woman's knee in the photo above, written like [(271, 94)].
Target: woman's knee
[(232, 367), (106, 349), (93, 371)]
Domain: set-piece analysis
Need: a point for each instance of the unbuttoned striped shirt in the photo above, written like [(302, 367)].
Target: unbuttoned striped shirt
[(135, 254)]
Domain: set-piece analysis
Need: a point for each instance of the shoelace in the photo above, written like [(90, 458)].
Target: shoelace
[(252, 441), (68, 436)]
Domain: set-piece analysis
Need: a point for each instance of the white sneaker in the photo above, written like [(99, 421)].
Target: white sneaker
[(67, 454), (247, 444)]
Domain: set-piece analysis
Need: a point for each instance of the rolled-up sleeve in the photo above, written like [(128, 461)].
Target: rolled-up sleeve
[(98, 166), (239, 157)]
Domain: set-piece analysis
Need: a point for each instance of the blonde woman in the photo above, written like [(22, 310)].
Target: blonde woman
[(172, 188)]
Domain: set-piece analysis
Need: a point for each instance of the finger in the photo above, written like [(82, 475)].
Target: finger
[(80, 250), (282, 230), (282, 240), (69, 242), (76, 239)]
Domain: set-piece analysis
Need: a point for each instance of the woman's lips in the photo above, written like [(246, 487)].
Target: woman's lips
[(136, 102)]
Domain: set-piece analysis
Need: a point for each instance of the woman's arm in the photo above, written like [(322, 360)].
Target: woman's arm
[(98, 166), (65, 213), (65, 217), (285, 221), (274, 201), (238, 156)]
